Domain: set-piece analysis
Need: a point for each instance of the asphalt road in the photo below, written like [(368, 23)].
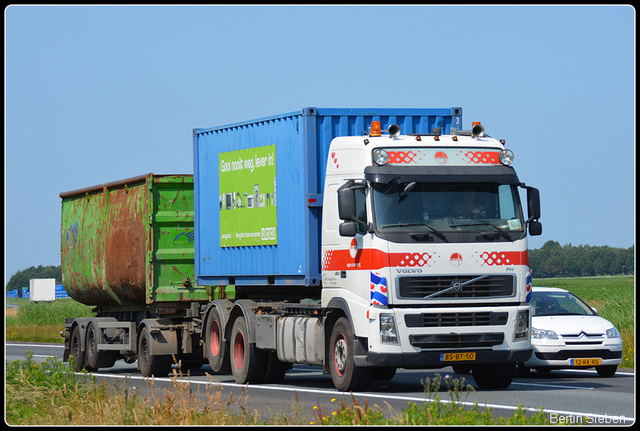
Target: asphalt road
[(571, 396)]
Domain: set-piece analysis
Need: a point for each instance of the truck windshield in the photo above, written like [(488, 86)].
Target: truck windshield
[(448, 211)]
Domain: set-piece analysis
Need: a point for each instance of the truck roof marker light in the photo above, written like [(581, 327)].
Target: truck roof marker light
[(455, 139), (436, 138), (477, 131), (380, 157), (418, 138), (506, 157), (375, 129)]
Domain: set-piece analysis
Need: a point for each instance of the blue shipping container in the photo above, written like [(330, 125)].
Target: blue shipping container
[(258, 190)]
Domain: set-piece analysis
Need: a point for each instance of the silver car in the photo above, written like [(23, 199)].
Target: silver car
[(568, 333)]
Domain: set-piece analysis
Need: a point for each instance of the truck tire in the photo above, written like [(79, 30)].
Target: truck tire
[(95, 358), (494, 376), (275, 369), (247, 361), (216, 349), (345, 374), (151, 365)]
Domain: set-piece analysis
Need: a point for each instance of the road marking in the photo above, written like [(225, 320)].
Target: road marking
[(550, 386)]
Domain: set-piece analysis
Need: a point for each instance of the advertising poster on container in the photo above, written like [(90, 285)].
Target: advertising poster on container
[(248, 215)]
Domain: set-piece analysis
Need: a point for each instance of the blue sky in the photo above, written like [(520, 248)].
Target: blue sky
[(98, 94)]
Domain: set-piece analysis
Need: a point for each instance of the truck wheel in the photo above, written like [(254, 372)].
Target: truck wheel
[(275, 369), (345, 374), (156, 365), (247, 361), (95, 358), (217, 350), (494, 376)]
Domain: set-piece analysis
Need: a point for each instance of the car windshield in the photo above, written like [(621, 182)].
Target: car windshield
[(448, 207), (559, 303)]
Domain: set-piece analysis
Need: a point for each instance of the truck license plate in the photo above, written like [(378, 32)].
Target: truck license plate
[(585, 362), (462, 356)]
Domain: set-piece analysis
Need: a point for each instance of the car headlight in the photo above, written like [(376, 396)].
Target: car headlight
[(543, 334), (612, 333)]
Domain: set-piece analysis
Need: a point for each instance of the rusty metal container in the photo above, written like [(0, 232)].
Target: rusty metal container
[(130, 242)]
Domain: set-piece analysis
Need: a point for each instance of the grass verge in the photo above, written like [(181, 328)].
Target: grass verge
[(50, 393)]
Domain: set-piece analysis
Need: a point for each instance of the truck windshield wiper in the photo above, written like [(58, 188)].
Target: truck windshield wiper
[(500, 231), (439, 234)]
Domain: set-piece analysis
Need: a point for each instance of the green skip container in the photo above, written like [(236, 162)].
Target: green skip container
[(131, 242)]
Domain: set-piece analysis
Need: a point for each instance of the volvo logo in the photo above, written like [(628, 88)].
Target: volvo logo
[(409, 271), (457, 286)]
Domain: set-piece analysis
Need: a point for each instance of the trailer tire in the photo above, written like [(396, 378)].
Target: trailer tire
[(76, 350), (216, 349), (247, 361), (151, 365), (94, 358), (346, 375), (494, 376)]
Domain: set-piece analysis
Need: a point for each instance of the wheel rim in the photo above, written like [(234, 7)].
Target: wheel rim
[(238, 350), (76, 347), (340, 355), (91, 343), (214, 339), (143, 355)]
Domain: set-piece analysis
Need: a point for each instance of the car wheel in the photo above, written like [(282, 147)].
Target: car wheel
[(606, 370)]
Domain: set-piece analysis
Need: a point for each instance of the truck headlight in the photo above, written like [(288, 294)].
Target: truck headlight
[(522, 325), (388, 333), (543, 334)]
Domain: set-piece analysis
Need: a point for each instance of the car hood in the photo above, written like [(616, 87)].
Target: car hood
[(572, 325)]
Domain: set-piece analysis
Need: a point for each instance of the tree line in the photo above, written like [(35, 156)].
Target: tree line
[(554, 260), (21, 278)]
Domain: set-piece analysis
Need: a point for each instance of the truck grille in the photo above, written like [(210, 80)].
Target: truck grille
[(491, 286), (455, 341), (434, 320)]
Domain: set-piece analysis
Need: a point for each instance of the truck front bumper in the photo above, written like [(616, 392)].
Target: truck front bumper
[(433, 359)]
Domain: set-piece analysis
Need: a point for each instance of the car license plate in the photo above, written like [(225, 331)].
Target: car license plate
[(462, 356), (585, 362)]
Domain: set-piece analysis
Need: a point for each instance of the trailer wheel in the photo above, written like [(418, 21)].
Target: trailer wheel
[(156, 365), (345, 374), (494, 376), (247, 361), (76, 350), (95, 358), (217, 350)]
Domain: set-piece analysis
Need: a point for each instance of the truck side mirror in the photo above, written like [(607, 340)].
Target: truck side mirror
[(533, 202), (346, 204), (348, 228)]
